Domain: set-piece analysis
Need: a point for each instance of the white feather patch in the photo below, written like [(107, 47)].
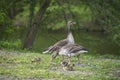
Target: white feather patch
[(77, 53), (45, 52), (70, 38)]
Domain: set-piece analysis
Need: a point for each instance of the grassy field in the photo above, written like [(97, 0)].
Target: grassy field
[(17, 66)]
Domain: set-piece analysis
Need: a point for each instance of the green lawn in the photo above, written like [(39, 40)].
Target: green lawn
[(17, 65)]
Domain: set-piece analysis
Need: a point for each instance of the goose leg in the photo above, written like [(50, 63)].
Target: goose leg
[(62, 58), (78, 59), (69, 60), (54, 55)]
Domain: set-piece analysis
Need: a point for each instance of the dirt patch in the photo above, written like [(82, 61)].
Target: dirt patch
[(9, 52), (15, 78)]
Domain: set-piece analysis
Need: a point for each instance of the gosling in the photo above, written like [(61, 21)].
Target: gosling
[(36, 60), (67, 66)]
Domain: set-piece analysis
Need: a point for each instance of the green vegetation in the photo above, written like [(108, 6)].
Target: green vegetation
[(18, 18), (33, 25), (14, 45), (17, 65)]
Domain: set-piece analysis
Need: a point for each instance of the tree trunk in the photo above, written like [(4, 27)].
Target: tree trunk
[(32, 30)]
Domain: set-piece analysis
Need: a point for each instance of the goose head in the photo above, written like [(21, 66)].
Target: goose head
[(70, 23)]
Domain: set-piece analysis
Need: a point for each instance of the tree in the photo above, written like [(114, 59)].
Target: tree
[(106, 15), (32, 29)]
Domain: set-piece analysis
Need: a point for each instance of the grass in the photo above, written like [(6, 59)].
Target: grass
[(17, 65)]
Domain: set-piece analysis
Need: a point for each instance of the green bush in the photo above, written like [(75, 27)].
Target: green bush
[(11, 44), (6, 27)]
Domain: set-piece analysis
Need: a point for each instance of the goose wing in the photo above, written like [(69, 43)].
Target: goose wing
[(75, 49), (56, 46)]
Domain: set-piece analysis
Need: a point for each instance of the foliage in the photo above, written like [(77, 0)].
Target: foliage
[(6, 28), (11, 44), (102, 15), (60, 12), (114, 34), (8, 10), (106, 15)]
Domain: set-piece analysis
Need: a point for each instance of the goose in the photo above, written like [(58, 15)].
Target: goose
[(70, 50), (36, 60), (58, 45)]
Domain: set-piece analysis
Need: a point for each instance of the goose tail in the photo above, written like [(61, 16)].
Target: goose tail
[(45, 52)]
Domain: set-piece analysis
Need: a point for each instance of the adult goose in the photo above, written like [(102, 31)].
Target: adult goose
[(58, 45), (70, 50)]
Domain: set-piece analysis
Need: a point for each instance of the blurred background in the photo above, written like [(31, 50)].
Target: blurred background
[(37, 24)]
